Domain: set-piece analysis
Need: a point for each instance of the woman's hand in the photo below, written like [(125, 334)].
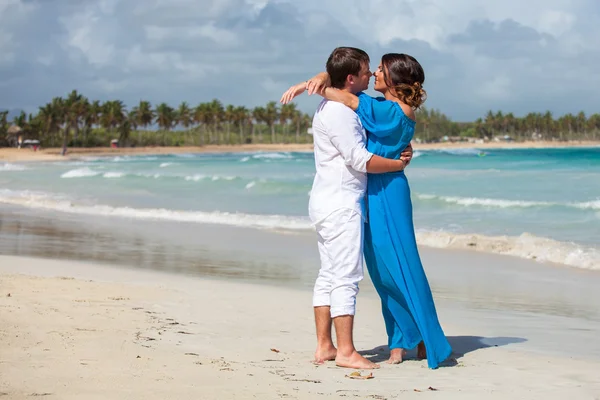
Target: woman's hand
[(292, 92), (407, 154), (318, 83)]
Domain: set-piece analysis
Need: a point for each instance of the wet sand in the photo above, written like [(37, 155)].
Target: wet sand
[(73, 330)]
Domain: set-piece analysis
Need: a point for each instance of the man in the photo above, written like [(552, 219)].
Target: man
[(336, 208)]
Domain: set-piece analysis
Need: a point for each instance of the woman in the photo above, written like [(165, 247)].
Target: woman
[(390, 244)]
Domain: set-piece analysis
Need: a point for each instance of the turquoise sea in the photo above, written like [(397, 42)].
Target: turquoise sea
[(532, 203)]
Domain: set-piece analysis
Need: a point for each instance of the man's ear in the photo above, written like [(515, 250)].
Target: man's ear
[(350, 79)]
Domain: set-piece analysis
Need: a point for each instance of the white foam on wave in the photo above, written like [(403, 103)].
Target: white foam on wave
[(269, 156), (469, 151), (250, 185), (114, 175), (245, 159), (12, 167), (502, 203), (165, 164), (525, 246), (474, 201), (213, 178), (79, 173), (63, 204), (195, 178), (119, 159), (588, 205)]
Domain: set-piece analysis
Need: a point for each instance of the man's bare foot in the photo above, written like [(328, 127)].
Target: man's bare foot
[(355, 361), (396, 356), (324, 354), (421, 351)]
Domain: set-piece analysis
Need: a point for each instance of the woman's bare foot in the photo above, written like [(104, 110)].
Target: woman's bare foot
[(325, 354), (396, 356), (421, 351), (355, 361)]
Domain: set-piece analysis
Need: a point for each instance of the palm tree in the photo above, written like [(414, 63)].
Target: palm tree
[(229, 117), (593, 125), (296, 118), (3, 124), (271, 115), (131, 122), (165, 118), (217, 115), (21, 120), (91, 118), (143, 116), (113, 114), (75, 109), (241, 116), (202, 116), (490, 123), (581, 122), (258, 114), (287, 114), (184, 116), (51, 117)]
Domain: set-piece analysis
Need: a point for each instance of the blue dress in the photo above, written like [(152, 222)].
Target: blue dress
[(390, 246)]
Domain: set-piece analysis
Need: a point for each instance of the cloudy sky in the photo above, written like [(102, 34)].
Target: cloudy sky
[(510, 55)]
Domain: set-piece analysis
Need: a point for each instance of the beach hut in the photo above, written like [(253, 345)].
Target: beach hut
[(12, 135)]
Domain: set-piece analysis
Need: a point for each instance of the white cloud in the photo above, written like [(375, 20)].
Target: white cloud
[(513, 55)]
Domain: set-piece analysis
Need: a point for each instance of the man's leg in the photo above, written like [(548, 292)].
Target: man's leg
[(344, 245), (326, 351)]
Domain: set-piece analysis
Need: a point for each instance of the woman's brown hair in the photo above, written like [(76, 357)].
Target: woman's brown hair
[(404, 76)]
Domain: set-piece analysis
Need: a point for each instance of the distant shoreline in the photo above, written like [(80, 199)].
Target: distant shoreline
[(53, 154)]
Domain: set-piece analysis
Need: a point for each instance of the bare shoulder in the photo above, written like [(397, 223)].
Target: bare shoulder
[(408, 111)]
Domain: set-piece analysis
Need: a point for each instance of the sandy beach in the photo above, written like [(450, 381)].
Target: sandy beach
[(53, 154), (73, 330)]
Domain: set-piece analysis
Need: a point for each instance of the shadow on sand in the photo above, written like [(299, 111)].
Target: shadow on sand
[(461, 345)]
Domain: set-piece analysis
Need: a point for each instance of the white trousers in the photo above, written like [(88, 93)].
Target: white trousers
[(340, 241)]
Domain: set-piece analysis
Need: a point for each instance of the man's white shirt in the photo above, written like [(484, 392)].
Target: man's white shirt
[(341, 161)]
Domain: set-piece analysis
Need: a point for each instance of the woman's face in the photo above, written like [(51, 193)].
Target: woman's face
[(380, 84)]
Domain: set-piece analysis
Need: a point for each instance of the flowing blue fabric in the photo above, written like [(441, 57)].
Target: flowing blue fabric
[(390, 246)]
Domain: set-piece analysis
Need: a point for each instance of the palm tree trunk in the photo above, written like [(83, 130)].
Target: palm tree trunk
[(64, 144), (76, 133), (273, 133)]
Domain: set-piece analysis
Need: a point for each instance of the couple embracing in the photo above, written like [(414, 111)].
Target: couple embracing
[(360, 206)]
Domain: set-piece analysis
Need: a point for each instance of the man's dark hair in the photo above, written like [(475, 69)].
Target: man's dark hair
[(345, 61)]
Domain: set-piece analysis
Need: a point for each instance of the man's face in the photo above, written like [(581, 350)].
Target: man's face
[(361, 81)]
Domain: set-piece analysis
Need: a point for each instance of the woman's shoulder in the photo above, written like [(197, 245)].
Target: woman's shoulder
[(388, 106)]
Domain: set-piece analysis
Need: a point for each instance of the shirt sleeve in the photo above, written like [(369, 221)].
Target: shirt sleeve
[(346, 135), (379, 116)]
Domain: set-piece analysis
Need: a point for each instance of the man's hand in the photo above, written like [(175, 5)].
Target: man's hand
[(407, 154)]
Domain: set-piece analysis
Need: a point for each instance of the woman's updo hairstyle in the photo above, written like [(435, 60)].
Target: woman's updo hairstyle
[(404, 76)]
